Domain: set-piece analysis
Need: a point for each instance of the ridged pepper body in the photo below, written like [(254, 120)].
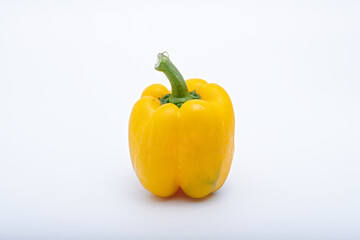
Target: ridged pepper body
[(190, 147)]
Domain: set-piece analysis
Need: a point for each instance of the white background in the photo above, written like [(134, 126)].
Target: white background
[(70, 72)]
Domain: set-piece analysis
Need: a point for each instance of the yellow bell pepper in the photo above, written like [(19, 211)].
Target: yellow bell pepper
[(183, 139)]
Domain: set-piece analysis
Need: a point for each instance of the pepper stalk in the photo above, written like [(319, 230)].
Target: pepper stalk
[(179, 90)]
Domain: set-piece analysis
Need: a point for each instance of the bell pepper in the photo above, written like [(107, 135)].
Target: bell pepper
[(183, 139)]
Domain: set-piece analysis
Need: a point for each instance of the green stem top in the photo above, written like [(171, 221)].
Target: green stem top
[(179, 91)]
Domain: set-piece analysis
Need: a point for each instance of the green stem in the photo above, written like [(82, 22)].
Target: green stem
[(179, 90)]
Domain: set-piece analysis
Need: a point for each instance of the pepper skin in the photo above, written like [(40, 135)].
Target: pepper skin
[(189, 147)]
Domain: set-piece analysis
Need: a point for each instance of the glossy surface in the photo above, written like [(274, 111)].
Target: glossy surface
[(189, 147)]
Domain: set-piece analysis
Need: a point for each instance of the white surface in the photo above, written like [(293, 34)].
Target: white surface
[(70, 73)]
